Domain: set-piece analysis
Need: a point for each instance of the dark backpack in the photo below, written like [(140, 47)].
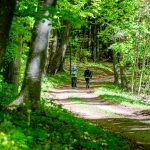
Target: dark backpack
[(88, 73)]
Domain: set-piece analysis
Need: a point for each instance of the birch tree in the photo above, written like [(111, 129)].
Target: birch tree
[(31, 88)]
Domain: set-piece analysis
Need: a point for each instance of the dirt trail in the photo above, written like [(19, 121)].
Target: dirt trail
[(131, 122)]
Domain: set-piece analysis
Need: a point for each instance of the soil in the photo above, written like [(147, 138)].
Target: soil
[(132, 123)]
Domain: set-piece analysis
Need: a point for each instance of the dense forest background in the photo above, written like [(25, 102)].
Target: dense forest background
[(38, 37)]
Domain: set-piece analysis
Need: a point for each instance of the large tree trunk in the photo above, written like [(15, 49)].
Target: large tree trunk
[(31, 88), (7, 9), (53, 50), (17, 65), (60, 53)]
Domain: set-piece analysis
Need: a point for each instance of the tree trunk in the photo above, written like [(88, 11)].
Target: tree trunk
[(142, 69), (60, 53), (7, 9), (115, 66), (94, 41), (147, 86), (31, 88), (97, 45), (133, 76), (61, 67), (16, 64), (89, 37), (53, 50), (12, 68), (135, 65), (123, 77), (122, 73)]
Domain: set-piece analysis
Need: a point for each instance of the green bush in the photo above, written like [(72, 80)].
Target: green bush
[(7, 93)]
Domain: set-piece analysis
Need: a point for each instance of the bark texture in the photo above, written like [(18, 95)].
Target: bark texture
[(122, 73), (58, 58), (115, 66), (7, 9), (31, 88), (52, 50), (12, 67)]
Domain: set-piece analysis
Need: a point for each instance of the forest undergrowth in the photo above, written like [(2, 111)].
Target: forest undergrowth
[(51, 127)]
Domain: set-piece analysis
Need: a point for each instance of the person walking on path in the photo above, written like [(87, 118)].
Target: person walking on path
[(88, 76), (74, 76)]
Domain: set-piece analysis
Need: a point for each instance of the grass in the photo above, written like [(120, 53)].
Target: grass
[(113, 93), (53, 128), (74, 99), (55, 81), (101, 66), (7, 93)]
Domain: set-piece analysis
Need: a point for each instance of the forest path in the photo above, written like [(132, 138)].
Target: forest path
[(129, 121)]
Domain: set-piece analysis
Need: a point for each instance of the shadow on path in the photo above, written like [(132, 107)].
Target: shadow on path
[(132, 129), (131, 122)]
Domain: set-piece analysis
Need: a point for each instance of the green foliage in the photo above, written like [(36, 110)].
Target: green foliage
[(21, 26), (127, 32), (72, 11), (20, 35), (76, 99), (114, 94), (7, 93), (14, 139), (53, 128), (26, 8), (101, 66), (83, 55), (55, 81), (111, 22)]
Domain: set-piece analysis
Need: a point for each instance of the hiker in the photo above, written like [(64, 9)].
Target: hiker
[(88, 76), (74, 76)]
